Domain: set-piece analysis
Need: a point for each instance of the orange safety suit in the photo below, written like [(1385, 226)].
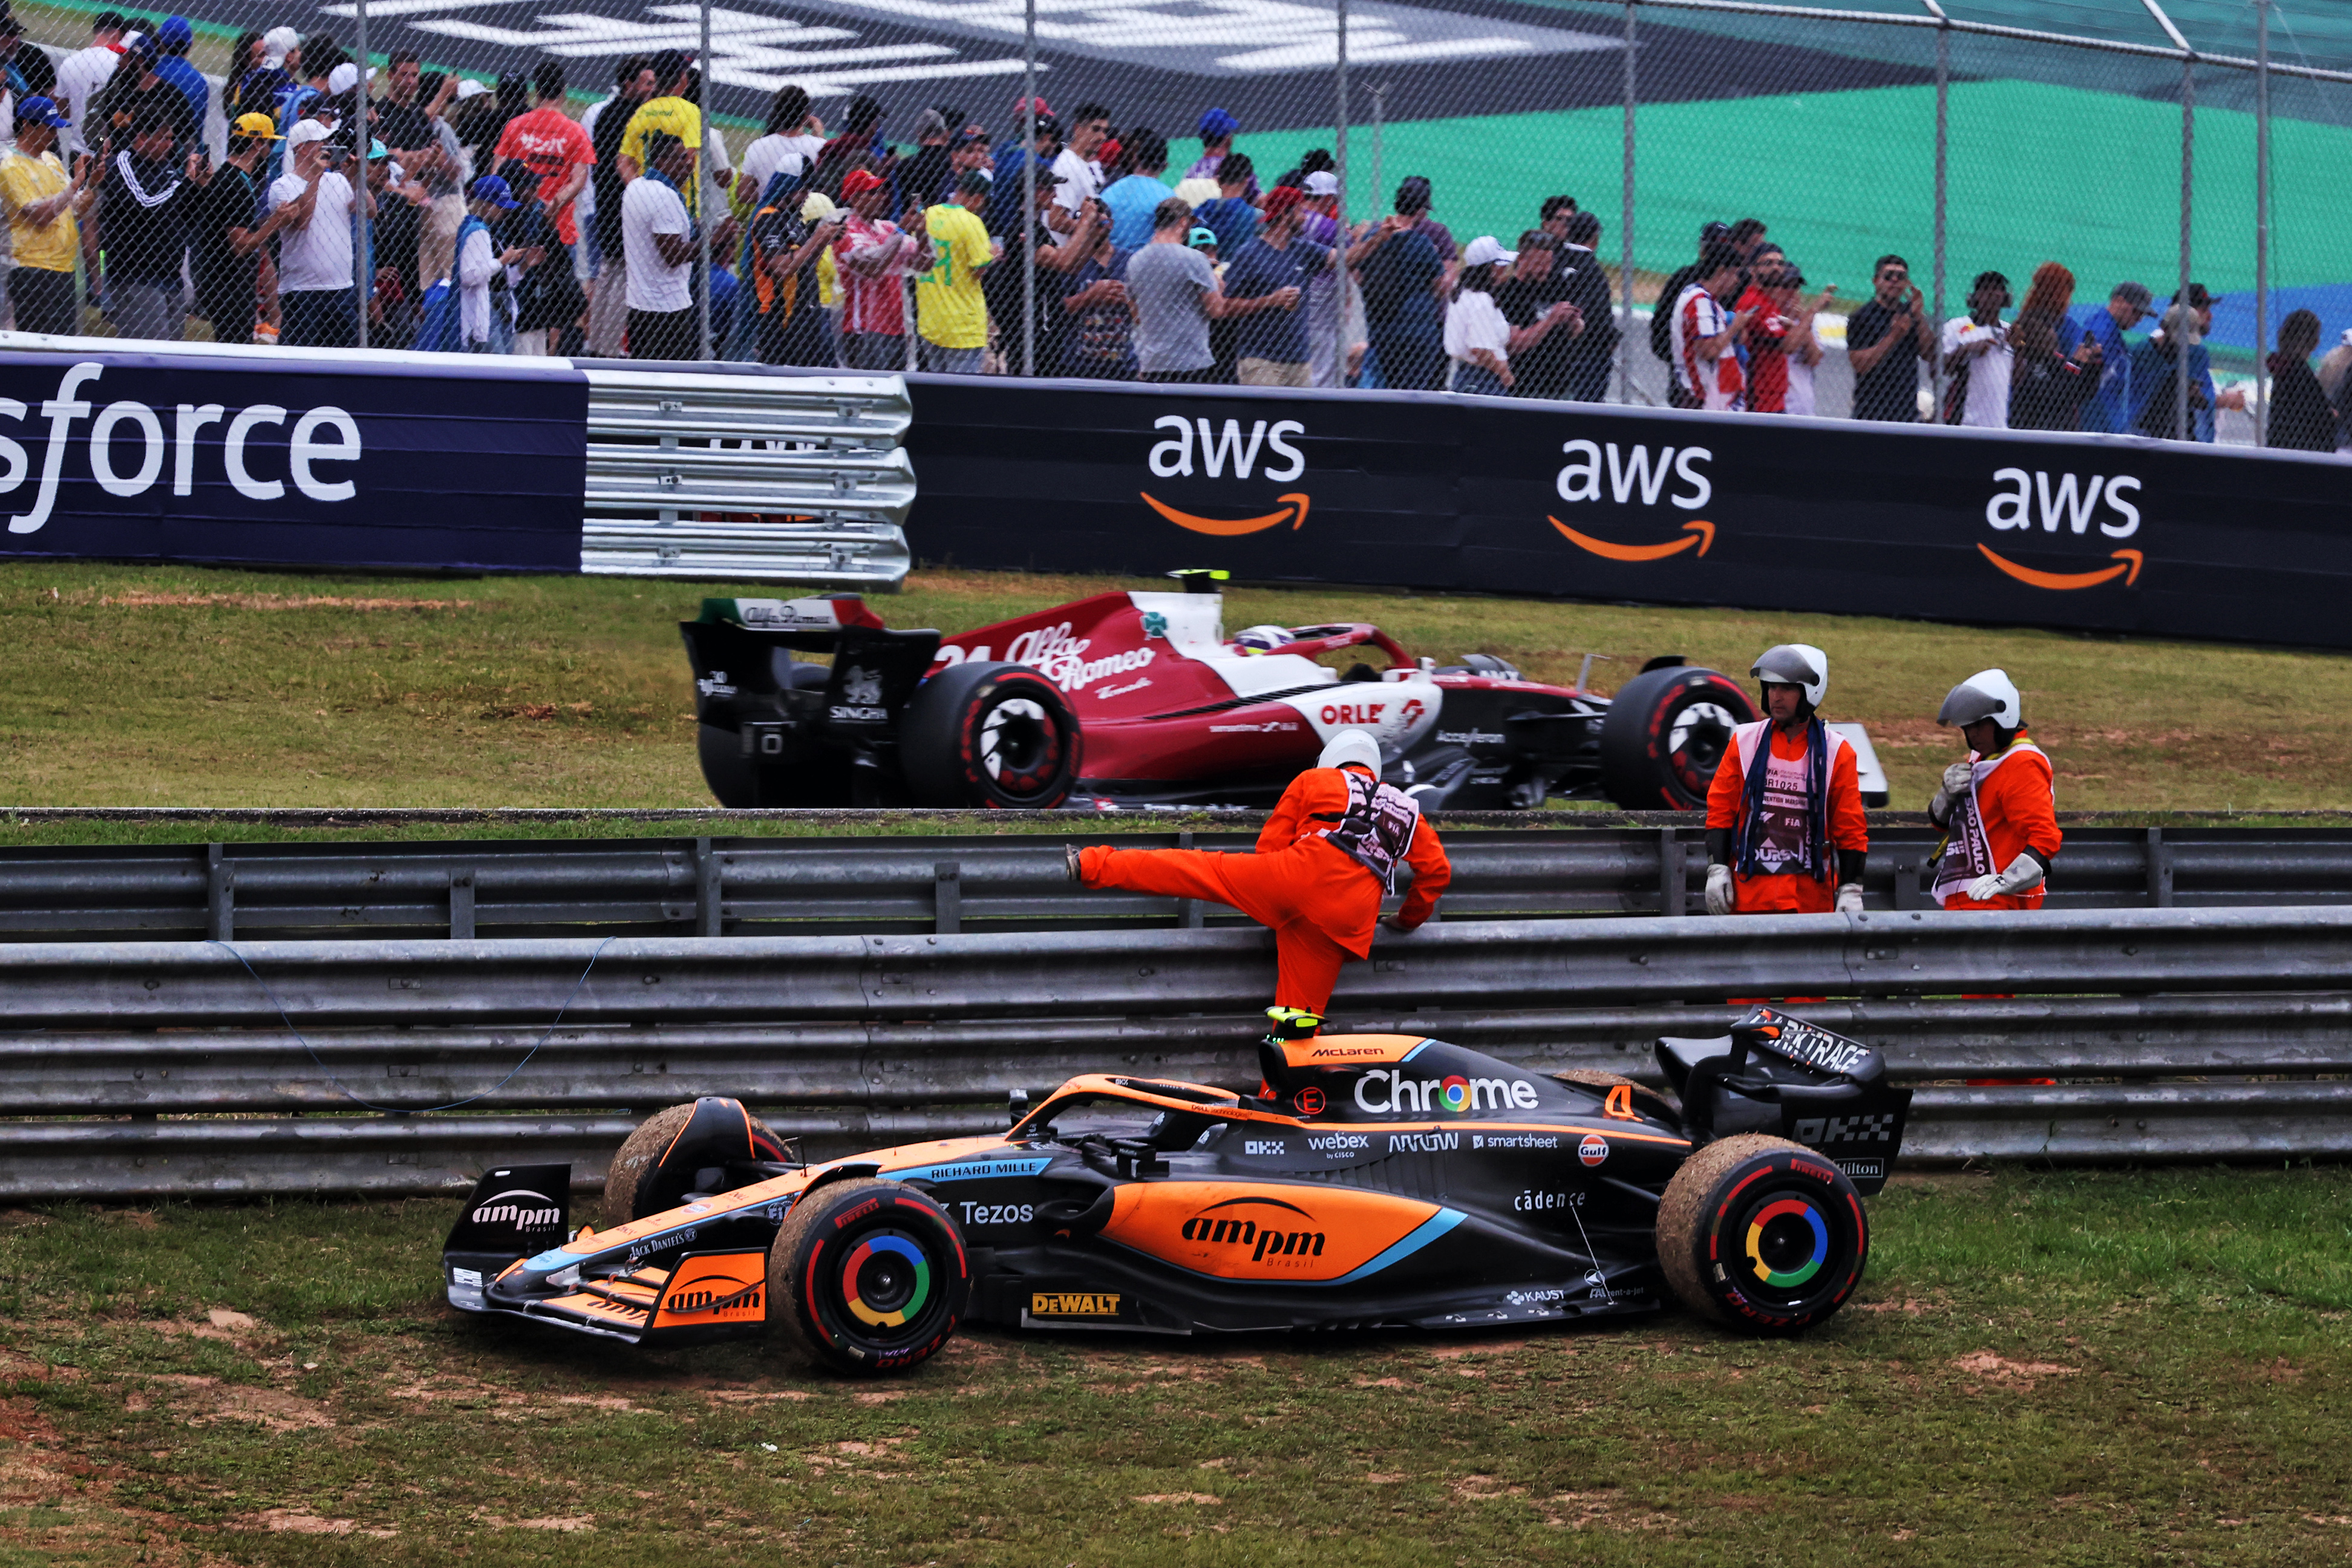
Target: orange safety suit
[(2012, 806), (1784, 892), (1322, 902)]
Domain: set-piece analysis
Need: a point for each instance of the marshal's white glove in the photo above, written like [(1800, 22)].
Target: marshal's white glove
[(1719, 889), (1956, 779), (2023, 875), (1849, 899)]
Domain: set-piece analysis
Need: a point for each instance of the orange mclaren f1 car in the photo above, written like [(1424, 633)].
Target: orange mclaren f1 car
[(1373, 1180)]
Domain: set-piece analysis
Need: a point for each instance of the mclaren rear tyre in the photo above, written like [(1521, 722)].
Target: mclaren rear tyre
[(1762, 1233), (1645, 1101), (1665, 733), (634, 1184), (991, 735), (870, 1277)]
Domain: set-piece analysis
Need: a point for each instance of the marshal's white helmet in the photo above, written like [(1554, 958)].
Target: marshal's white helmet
[(1987, 694), (1263, 639), (1796, 664), (1350, 746)]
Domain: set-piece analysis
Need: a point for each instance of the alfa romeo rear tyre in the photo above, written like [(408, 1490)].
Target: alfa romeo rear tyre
[(1663, 735), (631, 1178), (1762, 1233), (869, 1276), (990, 734)]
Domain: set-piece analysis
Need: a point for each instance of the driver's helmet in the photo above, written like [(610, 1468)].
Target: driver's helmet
[(1262, 639)]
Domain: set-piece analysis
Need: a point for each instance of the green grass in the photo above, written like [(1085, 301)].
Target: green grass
[(136, 685), (2059, 1369)]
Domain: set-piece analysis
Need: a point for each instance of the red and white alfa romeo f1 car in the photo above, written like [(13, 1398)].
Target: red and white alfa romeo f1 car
[(1139, 698)]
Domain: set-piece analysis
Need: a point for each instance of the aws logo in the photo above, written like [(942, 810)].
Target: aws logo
[(1216, 450), (1635, 475), (2074, 504)]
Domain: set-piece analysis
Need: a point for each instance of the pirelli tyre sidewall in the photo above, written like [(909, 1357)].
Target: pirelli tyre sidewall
[(989, 735), (1665, 732), (870, 1277), (1762, 1233)]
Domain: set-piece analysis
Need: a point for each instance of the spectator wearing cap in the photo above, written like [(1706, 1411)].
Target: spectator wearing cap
[(1662, 321), (1217, 128), (786, 249), (1231, 213), (1085, 130), (83, 75), (1978, 358), (556, 150), (1319, 222), (1268, 279), (2178, 350), (44, 205), (1782, 348), (173, 40), (312, 204), (270, 72), (659, 235), (225, 235), (1134, 202), (141, 200), (1545, 323), (482, 264), (415, 108), (876, 257), (1176, 295), (2300, 418), (950, 306), (1058, 256), (1404, 279), (1707, 372), (1477, 338), (1886, 339), (136, 93), (2110, 408)]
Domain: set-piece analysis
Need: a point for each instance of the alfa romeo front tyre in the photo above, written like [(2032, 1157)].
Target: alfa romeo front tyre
[(869, 1276), (1762, 1233), (990, 735), (1664, 734)]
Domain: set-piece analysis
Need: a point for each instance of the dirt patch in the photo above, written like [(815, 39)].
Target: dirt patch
[(1202, 1498), (2000, 1369), (221, 1318), (568, 1524)]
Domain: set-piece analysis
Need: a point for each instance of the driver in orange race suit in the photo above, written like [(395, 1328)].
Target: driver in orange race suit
[(1326, 858), (1784, 817)]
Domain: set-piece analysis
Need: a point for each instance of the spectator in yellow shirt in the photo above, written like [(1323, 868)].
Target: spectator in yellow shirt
[(672, 113), (42, 206), (951, 312)]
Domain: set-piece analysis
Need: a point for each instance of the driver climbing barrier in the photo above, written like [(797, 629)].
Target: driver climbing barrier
[(159, 1068)]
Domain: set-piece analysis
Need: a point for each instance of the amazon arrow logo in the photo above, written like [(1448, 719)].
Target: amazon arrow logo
[(1293, 510), (1697, 531), (2064, 582)]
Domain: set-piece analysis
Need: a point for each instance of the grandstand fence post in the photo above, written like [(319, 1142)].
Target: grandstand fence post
[(2188, 208), (1029, 188), (2261, 215), (1625, 235), (702, 183), (1943, 156), (364, 281), (1339, 159)]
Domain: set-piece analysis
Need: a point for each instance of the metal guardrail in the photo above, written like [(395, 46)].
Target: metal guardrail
[(713, 886), (748, 475), (857, 1041)]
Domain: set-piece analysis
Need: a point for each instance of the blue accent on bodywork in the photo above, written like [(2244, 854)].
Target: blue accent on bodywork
[(970, 1170), (1424, 1233)]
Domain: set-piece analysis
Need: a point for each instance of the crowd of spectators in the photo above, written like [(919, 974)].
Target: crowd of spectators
[(454, 214)]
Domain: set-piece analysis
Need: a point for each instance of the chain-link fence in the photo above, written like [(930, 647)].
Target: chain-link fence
[(2064, 214)]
